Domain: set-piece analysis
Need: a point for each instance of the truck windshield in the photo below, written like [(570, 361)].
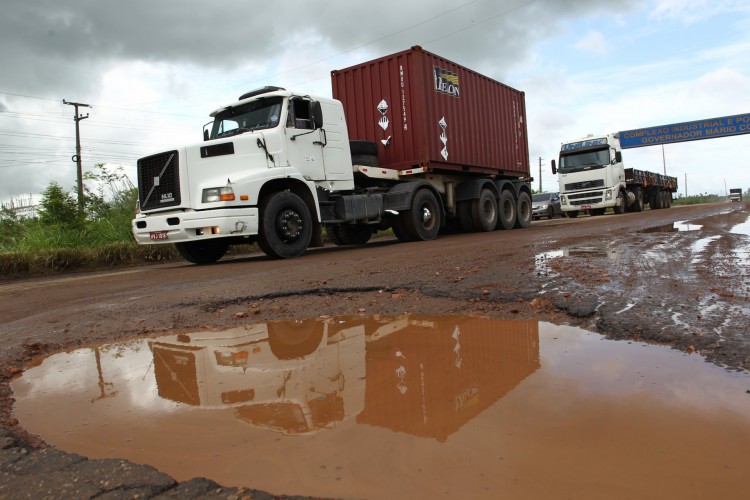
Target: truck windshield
[(584, 160), (256, 115)]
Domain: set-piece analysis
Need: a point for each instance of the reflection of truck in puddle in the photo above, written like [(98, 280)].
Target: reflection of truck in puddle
[(424, 376)]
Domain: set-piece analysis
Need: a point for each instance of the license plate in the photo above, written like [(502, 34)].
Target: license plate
[(157, 235), (583, 207)]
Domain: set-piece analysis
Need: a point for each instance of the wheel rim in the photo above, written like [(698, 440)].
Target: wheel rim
[(289, 225), (489, 210), (428, 220)]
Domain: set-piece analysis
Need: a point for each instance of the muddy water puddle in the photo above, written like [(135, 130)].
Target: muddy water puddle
[(403, 407)]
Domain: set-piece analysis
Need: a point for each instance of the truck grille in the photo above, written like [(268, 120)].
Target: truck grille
[(586, 198), (159, 181), (577, 186)]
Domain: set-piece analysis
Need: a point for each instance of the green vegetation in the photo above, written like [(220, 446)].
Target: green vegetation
[(61, 237), (698, 199)]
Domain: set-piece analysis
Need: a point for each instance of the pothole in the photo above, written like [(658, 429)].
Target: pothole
[(402, 407)]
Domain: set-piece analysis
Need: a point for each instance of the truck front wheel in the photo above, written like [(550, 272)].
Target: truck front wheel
[(286, 225), (424, 219), (620, 207), (203, 252)]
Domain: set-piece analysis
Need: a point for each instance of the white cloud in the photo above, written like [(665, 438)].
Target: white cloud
[(593, 42)]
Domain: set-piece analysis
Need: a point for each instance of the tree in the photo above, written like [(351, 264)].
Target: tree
[(59, 207)]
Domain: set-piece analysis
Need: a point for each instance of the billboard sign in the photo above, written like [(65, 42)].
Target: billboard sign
[(687, 131)]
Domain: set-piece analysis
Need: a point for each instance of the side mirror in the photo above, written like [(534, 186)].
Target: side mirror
[(205, 131), (317, 115), (618, 156), (554, 167)]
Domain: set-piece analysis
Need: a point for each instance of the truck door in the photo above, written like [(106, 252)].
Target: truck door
[(304, 142)]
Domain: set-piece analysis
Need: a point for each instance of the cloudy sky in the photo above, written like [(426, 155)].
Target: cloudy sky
[(152, 70)]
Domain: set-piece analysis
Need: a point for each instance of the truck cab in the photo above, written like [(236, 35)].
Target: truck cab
[(591, 174), (206, 196)]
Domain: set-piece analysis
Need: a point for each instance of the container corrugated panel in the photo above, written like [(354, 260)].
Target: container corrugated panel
[(426, 111)]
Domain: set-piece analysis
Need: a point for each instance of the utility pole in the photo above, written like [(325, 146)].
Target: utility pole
[(77, 157), (685, 185), (540, 174), (663, 159)]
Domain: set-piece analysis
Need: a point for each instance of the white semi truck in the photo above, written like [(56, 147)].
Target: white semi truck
[(593, 177), (435, 142)]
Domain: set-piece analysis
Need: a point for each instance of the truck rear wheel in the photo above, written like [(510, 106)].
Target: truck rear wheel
[(484, 211), (285, 225), (506, 210), (203, 252), (523, 210), (638, 203), (423, 221), (397, 225)]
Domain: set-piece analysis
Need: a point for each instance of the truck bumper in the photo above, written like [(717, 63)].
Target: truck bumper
[(178, 227), (587, 200)]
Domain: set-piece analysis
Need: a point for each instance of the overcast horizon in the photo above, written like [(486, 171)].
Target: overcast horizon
[(153, 71)]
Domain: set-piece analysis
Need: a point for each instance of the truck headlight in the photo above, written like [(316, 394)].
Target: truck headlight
[(564, 199), (608, 194), (212, 195)]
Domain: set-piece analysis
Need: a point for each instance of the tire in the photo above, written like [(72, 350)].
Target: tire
[(203, 252), (572, 214), (285, 226), (506, 210), (523, 211), (397, 226), (654, 200), (667, 199), (365, 160), (621, 206), (424, 219), (463, 210), (638, 204), (363, 148), (349, 234), (484, 211)]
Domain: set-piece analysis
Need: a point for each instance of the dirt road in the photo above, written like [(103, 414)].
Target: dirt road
[(679, 277)]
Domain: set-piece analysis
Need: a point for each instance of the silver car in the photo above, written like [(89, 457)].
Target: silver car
[(545, 205)]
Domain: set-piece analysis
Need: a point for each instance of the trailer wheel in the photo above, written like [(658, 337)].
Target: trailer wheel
[(463, 210), (654, 201), (523, 211), (285, 226), (484, 211), (203, 252), (349, 234), (667, 199), (423, 221), (506, 210), (638, 204)]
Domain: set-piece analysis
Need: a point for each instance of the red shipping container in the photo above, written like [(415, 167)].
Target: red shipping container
[(426, 111)]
